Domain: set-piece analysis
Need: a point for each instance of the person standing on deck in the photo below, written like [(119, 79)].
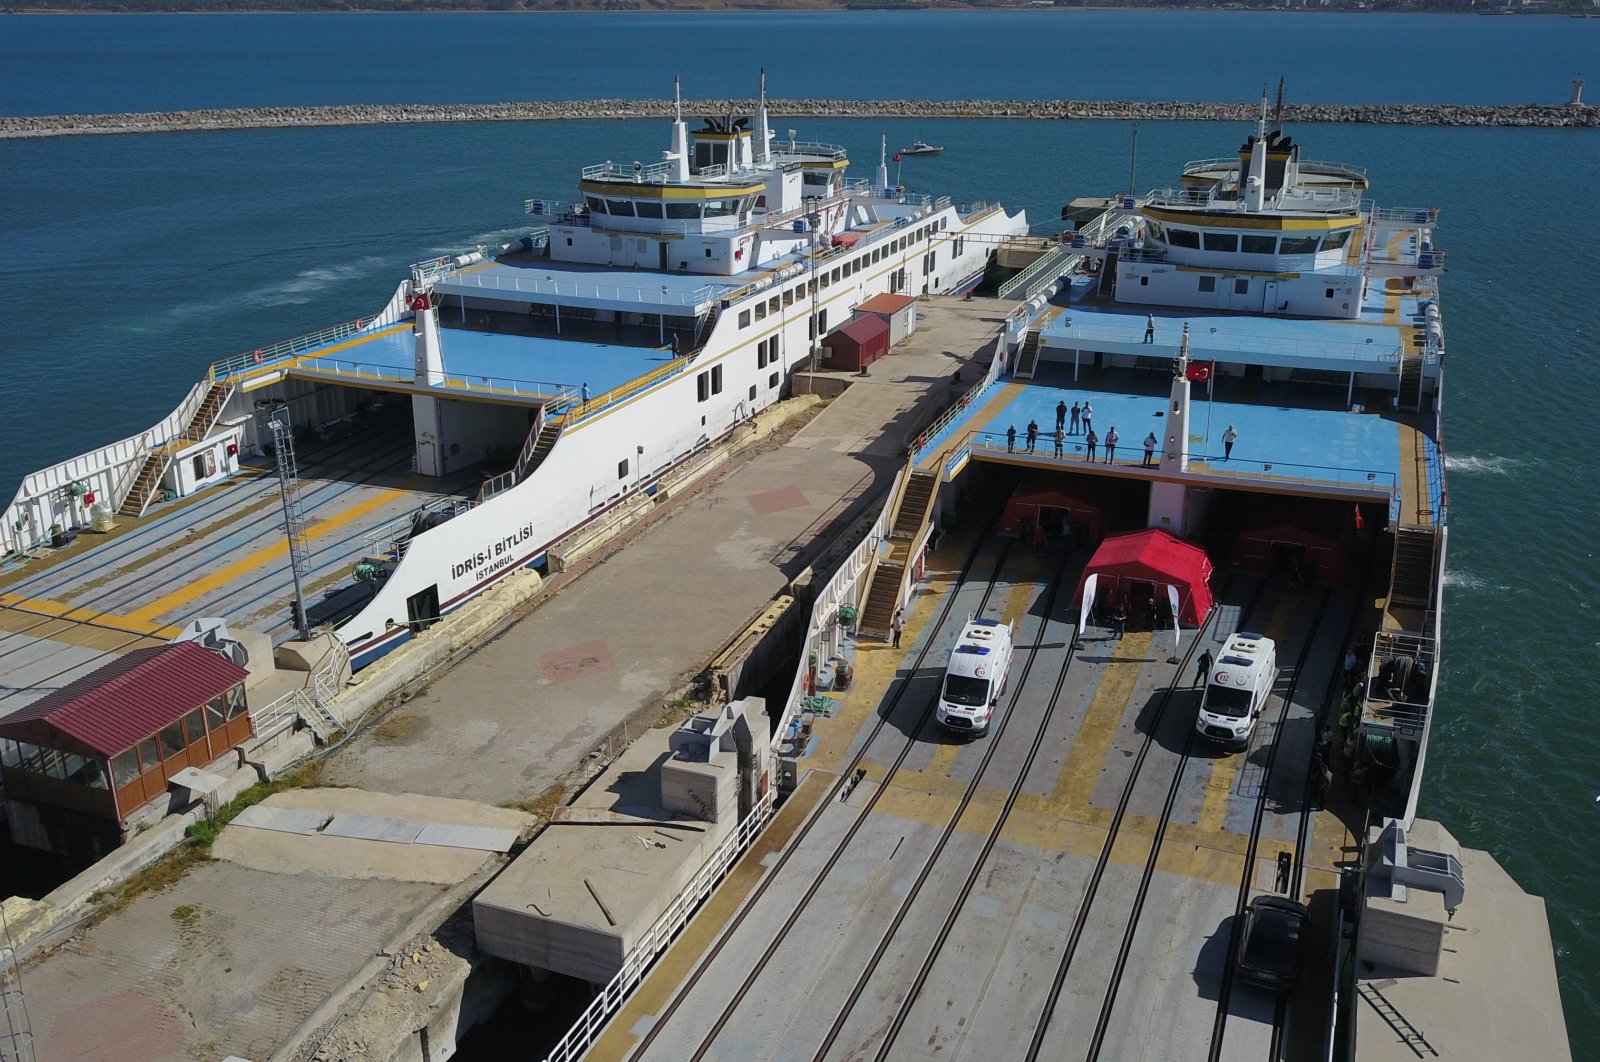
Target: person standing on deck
[(1149, 448), (1061, 413), (1111, 444), (1061, 437), (1088, 417), (1149, 328), (1202, 667), (1075, 411), (1091, 441), (1228, 439), (1011, 439), (1033, 434), (898, 625), (586, 394)]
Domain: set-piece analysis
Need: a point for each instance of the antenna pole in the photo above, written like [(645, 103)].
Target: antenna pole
[(1133, 162)]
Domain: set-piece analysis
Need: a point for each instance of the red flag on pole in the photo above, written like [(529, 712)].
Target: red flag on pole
[(1199, 371), (1359, 521)]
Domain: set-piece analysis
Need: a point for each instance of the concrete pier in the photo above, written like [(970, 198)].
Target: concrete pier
[(1515, 115)]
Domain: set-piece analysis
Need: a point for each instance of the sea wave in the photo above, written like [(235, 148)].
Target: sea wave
[(493, 239), (1499, 466), (298, 290)]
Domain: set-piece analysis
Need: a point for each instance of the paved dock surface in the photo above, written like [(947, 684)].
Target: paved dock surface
[(532, 703), (1073, 875)]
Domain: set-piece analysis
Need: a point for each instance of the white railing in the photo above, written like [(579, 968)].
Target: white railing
[(243, 364), (345, 368), (1234, 343), (592, 1021), (823, 635), (46, 499), (1040, 272), (383, 539), (1407, 215), (809, 148), (654, 173), (280, 715), (656, 295)]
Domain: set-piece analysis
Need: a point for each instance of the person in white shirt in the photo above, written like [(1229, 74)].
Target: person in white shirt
[(1111, 443), (1228, 439)]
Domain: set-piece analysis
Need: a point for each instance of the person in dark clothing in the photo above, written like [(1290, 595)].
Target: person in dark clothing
[(1061, 413), (1011, 439), (1033, 434), (1073, 430), (1202, 667), (1091, 441)]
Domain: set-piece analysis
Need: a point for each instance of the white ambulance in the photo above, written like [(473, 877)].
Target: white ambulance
[(1237, 690), (975, 677)]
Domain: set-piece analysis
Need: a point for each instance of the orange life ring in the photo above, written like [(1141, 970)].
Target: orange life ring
[(256, 357)]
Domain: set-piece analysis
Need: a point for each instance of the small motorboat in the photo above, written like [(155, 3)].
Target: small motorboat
[(922, 147)]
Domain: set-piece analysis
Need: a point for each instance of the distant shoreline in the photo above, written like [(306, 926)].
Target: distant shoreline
[(213, 120)]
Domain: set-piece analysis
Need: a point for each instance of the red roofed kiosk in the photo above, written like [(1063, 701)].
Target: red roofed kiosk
[(858, 343), (1156, 558), (80, 760), (899, 310)]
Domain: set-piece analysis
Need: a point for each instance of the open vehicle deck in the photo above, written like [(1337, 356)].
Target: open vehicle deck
[(219, 552), (1043, 892)]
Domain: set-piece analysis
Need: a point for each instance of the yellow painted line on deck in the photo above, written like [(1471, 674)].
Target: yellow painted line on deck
[(260, 558), (42, 606), (1225, 770), (1075, 782), (657, 989), (1016, 606)]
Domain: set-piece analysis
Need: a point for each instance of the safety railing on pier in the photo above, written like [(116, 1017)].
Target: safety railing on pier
[(243, 364), (655, 940)]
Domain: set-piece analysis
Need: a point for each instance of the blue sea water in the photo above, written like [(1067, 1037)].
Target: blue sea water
[(132, 261)]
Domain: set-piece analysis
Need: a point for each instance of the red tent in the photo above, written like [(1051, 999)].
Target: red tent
[(1157, 558), (1322, 557), (1041, 493)]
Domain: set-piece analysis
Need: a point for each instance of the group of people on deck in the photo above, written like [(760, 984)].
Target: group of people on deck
[(1073, 420)]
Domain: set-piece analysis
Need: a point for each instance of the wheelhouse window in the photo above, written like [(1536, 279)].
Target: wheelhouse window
[(744, 318), (1259, 244), (683, 211), (622, 208), (649, 208), (1184, 238), (1335, 241), (1241, 285), (596, 204), (1298, 245), (1222, 241), (721, 208)]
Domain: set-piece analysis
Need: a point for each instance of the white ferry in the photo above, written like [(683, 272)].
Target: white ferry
[(537, 388)]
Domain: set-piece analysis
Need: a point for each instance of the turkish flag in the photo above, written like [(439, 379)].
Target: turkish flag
[(1359, 521), (1199, 371)]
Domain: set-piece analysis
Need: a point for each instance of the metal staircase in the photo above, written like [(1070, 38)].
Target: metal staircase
[(1108, 277), (1027, 356), (889, 577), (1410, 397), (147, 483), (1415, 550)]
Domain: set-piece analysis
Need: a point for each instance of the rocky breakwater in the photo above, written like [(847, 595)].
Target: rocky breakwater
[(566, 110)]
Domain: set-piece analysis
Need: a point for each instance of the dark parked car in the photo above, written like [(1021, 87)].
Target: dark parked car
[(1273, 938)]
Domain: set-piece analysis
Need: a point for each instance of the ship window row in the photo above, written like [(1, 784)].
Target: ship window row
[(709, 383), (1254, 243), (672, 210)]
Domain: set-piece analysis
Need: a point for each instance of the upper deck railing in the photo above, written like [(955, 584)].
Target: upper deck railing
[(1205, 339), (650, 294), (1130, 455), (809, 149), (246, 363)]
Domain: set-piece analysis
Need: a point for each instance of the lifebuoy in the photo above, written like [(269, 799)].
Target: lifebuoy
[(256, 357)]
